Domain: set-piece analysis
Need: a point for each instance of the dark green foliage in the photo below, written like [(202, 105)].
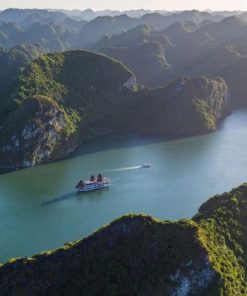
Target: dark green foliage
[(96, 95), (134, 255), (51, 126), (224, 223), (142, 49), (186, 106), (12, 61), (139, 255), (149, 61), (86, 89), (78, 80)]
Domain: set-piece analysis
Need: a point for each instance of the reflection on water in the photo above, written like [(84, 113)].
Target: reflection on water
[(40, 209), (60, 198)]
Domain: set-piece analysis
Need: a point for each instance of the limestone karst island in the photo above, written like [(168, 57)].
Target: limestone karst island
[(123, 135)]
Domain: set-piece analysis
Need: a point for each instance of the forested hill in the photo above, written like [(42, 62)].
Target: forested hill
[(137, 254), (61, 100)]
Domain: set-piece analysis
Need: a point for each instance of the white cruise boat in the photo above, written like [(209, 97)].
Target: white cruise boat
[(92, 184)]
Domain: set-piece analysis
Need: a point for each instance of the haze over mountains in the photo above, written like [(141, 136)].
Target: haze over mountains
[(157, 46), (75, 28), (184, 48)]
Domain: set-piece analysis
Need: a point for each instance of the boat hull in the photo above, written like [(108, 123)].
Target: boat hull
[(93, 186)]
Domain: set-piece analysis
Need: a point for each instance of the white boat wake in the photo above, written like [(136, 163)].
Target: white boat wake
[(126, 169)]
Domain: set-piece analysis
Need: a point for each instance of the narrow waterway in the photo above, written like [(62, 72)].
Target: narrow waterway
[(40, 210)]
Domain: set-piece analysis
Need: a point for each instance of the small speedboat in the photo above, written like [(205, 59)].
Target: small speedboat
[(93, 184), (146, 166)]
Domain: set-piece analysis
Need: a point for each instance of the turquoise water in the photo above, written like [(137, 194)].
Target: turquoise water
[(40, 210)]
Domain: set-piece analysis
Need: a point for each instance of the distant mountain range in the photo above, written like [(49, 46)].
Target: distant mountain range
[(60, 30), (184, 48), (157, 46)]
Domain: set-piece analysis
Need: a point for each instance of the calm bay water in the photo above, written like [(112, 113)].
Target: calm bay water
[(40, 210)]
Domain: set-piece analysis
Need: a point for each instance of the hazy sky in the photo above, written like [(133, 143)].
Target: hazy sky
[(128, 4)]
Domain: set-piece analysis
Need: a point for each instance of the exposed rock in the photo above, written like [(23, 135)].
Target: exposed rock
[(135, 254), (140, 255), (64, 99), (59, 101), (186, 106), (197, 277), (38, 132), (129, 84)]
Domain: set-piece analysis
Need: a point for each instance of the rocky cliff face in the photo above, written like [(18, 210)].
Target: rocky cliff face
[(186, 106), (58, 102), (37, 134), (214, 92), (140, 255), (133, 255), (64, 99)]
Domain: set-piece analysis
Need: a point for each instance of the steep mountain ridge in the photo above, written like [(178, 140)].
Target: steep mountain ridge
[(178, 32), (192, 49), (61, 100), (204, 256), (133, 36), (151, 48), (13, 60), (81, 33), (186, 106), (149, 63), (104, 25), (51, 36), (19, 15)]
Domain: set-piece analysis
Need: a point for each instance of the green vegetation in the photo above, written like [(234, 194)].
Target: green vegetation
[(186, 106), (60, 100), (224, 231), (13, 61), (157, 48), (134, 255), (140, 255), (150, 61), (141, 49)]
